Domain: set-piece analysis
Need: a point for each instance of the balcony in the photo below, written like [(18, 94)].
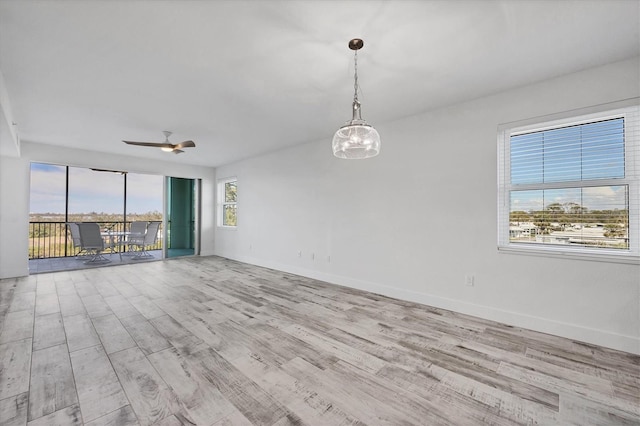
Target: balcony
[(51, 248)]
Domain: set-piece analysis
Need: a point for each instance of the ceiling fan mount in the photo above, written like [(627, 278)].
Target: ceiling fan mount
[(166, 145)]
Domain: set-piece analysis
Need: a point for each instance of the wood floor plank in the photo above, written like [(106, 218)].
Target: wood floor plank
[(106, 289), (351, 399), (181, 338), (309, 403), (340, 350), (99, 390), (26, 284), (576, 410), (146, 307), (504, 404), (253, 402), (85, 288), (121, 417), (113, 335), (96, 306), (234, 419), (564, 386), (69, 416), (421, 405), (15, 365), (148, 291), (148, 339), (271, 344), (172, 420), (190, 320), (71, 304), (151, 399), (588, 365), (52, 385), (427, 351), (120, 306), (23, 302), (18, 325), (46, 285), (13, 410), (438, 398), (201, 400), (64, 286), (48, 331), (47, 303), (80, 332), (126, 289)]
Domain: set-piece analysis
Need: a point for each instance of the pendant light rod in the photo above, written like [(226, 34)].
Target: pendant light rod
[(355, 45)]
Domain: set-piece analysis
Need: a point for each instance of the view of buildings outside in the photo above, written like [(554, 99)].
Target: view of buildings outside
[(590, 217)]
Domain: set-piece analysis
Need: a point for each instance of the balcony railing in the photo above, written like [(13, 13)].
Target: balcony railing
[(53, 239)]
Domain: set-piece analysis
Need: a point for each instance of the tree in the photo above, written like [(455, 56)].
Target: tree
[(575, 209), (556, 213), (519, 216), (541, 220)]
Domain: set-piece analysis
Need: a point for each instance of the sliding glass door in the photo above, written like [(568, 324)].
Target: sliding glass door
[(182, 217)]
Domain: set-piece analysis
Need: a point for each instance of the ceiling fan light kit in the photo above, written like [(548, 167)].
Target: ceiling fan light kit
[(166, 145), (356, 139)]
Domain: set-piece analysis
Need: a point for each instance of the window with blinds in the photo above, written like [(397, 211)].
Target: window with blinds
[(571, 185)]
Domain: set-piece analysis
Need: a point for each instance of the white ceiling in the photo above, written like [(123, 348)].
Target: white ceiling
[(241, 78)]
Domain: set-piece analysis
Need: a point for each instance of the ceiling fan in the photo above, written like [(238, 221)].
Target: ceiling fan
[(166, 145)]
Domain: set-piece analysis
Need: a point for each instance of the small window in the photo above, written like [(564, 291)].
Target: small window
[(227, 202), (571, 185)]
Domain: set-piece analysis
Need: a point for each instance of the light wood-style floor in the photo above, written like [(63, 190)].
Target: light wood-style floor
[(209, 341)]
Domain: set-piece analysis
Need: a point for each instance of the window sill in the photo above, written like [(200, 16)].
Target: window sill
[(562, 253)]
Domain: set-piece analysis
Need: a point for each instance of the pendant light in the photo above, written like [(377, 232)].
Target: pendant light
[(356, 139)]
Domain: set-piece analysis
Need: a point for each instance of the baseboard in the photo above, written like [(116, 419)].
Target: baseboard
[(558, 328)]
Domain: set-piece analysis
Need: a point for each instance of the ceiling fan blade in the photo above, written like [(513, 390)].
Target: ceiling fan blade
[(177, 151), (186, 144), (110, 171), (153, 144)]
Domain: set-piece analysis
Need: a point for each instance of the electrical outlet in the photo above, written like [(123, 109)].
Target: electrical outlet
[(300, 253), (468, 280)]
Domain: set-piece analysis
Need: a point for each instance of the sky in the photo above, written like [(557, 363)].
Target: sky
[(92, 191), (591, 151), (594, 198)]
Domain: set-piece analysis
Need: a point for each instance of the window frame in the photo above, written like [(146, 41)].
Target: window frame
[(630, 111), (222, 203)]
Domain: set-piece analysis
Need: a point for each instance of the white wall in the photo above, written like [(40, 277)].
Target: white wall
[(14, 194), (413, 221), (14, 216), (9, 140)]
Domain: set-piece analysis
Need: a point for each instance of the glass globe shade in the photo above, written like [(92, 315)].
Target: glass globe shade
[(356, 140)]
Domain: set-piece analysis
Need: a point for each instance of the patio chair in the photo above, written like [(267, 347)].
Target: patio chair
[(93, 242), (137, 232), (76, 241), (142, 242)]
